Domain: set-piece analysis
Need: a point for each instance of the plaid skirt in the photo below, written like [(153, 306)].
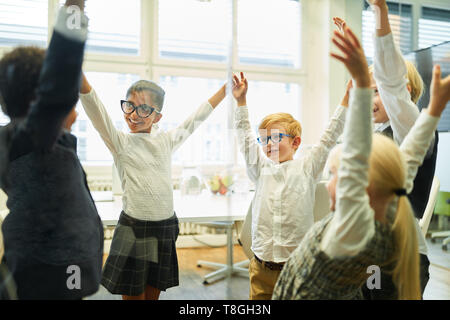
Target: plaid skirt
[(142, 253)]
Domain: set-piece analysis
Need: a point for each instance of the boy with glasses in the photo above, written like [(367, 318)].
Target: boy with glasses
[(282, 209)]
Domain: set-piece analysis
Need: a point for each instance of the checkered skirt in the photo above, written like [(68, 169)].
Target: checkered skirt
[(142, 253)]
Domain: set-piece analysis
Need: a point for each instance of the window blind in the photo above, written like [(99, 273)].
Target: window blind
[(400, 18), (434, 27)]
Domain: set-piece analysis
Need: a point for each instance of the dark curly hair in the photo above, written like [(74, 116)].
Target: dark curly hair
[(19, 75)]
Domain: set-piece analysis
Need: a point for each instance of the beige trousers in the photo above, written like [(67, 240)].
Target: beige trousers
[(262, 280)]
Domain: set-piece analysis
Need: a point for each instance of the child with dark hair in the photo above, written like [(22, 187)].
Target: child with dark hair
[(53, 236)]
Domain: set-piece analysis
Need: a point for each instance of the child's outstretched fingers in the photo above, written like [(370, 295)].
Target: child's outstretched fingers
[(340, 24), (240, 89), (440, 92), (352, 37)]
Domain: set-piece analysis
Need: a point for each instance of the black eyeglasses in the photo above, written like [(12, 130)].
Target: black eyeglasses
[(143, 110)]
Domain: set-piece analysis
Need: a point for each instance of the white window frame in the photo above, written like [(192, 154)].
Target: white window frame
[(148, 64)]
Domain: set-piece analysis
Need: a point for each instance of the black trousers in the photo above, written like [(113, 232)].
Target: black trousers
[(388, 291)]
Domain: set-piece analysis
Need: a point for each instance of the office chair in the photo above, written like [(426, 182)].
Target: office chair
[(443, 209)]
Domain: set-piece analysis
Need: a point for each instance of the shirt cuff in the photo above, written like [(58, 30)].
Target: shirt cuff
[(69, 25), (210, 106), (425, 117), (241, 113), (341, 111), (89, 95), (384, 42)]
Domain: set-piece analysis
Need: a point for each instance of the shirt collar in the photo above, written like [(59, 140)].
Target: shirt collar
[(379, 127)]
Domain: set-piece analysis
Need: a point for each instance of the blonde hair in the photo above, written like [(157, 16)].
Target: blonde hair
[(286, 120), (415, 81), (387, 173)]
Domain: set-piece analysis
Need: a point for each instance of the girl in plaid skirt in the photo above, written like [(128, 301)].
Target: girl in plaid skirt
[(143, 259), (372, 224)]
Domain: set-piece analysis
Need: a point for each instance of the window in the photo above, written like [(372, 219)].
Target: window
[(114, 26), (209, 143), (23, 22), (270, 34), (195, 30), (192, 50), (400, 18), (266, 97), (434, 27), (111, 88)]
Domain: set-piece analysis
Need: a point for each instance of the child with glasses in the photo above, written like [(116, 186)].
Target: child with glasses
[(143, 259), (282, 209)]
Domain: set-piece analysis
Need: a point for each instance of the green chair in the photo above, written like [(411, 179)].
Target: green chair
[(443, 209)]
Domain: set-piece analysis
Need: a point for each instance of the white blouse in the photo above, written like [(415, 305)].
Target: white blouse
[(143, 161), (390, 75)]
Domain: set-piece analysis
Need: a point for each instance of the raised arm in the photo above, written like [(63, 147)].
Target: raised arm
[(179, 135), (416, 143), (390, 74), (319, 152), (352, 225), (253, 155), (99, 117), (59, 81)]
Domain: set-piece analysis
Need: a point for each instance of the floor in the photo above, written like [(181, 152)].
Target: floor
[(236, 288)]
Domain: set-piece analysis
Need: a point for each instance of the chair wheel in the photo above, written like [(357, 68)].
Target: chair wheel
[(433, 240), (444, 247), (205, 282), (199, 266)]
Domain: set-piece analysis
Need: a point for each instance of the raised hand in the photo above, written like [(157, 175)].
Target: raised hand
[(352, 56), (439, 93), (240, 87), (340, 24)]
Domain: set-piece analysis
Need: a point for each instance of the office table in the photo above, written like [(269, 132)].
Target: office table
[(203, 208)]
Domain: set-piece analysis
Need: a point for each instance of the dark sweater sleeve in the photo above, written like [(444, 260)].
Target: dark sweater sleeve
[(57, 91)]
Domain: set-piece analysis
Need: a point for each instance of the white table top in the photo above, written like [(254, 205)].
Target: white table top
[(205, 207)]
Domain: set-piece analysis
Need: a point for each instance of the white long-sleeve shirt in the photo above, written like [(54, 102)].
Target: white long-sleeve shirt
[(282, 209), (390, 75), (143, 161), (353, 222)]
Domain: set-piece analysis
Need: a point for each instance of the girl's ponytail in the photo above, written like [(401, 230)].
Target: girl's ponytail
[(406, 270)]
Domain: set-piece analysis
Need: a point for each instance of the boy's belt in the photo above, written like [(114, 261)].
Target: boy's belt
[(270, 265)]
